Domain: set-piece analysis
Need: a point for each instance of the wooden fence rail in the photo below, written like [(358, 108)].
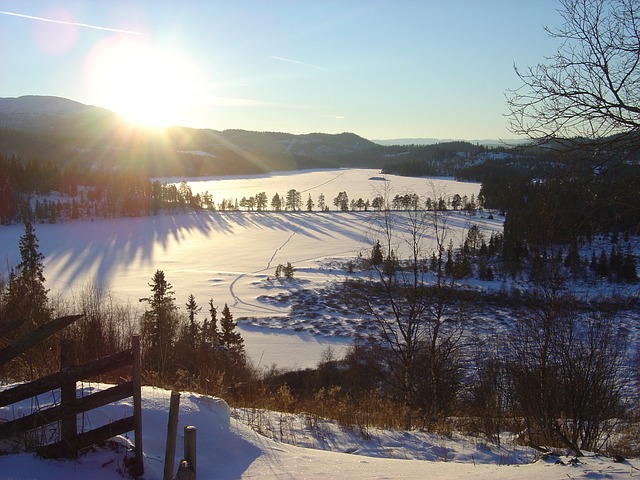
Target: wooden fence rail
[(38, 335), (51, 382), (70, 406)]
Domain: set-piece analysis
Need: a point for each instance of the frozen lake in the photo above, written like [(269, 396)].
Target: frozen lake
[(227, 256)]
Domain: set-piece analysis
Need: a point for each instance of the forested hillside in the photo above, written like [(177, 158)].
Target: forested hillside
[(68, 133)]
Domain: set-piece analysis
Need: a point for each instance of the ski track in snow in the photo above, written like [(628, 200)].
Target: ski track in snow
[(323, 183), (261, 308), (236, 298)]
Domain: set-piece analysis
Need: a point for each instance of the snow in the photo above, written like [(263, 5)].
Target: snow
[(231, 257), (356, 182), (229, 449), (200, 153)]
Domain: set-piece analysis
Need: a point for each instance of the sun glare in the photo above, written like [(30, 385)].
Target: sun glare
[(147, 86)]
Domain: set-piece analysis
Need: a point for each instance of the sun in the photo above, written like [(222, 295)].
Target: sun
[(148, 86)]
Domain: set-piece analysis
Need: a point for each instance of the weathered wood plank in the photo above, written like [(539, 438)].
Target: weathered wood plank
[(53, 381), (77, 406), (70, 406), (33, 338), (87, 439)]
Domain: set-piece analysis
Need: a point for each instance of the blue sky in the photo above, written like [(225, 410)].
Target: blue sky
[(380, 69)]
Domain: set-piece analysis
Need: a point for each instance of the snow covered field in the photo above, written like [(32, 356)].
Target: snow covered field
[(231, 256), (227, 449)]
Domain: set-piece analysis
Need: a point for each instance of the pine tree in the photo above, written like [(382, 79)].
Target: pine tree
[(261, 201), (376, 254), (212, 336), (26, 300), (292, 200), (159, 325), (342, 201), (27, 306), (229, 337), (276, 202), (192, 311)]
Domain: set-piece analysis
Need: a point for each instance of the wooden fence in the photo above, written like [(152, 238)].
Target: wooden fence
[(66, 412)]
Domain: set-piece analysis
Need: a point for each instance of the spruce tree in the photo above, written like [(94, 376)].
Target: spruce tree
[(376, 254), (159, 325), (212, 336), (288, 270), (192, 311), (229, 337), (26, 300), (27, 307)]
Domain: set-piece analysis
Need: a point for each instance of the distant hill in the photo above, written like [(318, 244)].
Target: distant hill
[(408, 141), (40, 105), (433, 141), (62, 131)]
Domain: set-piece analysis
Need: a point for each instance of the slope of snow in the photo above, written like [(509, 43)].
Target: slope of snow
[(228, 449)]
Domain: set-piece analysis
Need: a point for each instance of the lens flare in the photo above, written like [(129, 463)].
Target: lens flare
[(149, 86)]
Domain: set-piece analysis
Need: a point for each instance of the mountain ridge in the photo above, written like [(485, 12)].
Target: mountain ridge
[(67, 132), (40, 104), (55, 105), (487, 142)]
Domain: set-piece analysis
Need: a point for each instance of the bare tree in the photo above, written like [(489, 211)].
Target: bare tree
[(566, 372), (421, 341), (583, 105), (593, 359), (590, 88)]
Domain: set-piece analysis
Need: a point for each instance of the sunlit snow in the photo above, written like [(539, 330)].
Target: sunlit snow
[(230, 256), (227, 449)]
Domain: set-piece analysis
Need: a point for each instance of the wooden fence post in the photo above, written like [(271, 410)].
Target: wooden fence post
[(68, 422), (172, 431), (190, 448), (65, 414), (137, 404)]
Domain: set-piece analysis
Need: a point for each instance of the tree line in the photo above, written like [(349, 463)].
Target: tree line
[(176, 347), (26, 192)]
